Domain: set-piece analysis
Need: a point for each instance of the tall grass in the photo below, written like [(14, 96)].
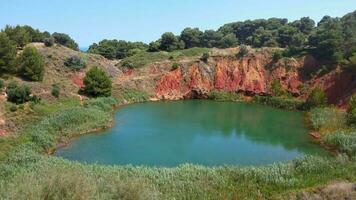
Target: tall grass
[(280, 102), (327, 119)]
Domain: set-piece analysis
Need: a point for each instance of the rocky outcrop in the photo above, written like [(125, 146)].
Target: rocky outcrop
[(250, 75)]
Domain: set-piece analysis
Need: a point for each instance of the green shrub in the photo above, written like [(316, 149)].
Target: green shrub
[(127, 64), (7, 54), (31, 64), (280, 102), (18, 93), (224, 96), (49, 41), (327, 119), (75, 62), (242, 52), (56, 90), (97, 83), (175, 66), (205, 57), (2, 84), (317, 98), (351, 111), (13, 108), (277, 55), (277, 88)]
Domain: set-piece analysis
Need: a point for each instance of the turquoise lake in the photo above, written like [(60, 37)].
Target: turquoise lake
[(196, 131)]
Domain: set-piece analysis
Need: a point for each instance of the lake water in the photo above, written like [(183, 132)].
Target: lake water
[(196, 131)]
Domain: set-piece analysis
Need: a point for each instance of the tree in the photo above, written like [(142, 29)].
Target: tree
[(305, 25), (18, 34), (191, 37), (169, 42), (49, 41), (228, 40), (211, 38), (7, 54), (285, 35), (297, 44), (18, 94), (30, 64), (65, 40), (97, 83), (317, 98)]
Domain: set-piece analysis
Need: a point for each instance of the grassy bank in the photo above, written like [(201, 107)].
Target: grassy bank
[(27, 173)]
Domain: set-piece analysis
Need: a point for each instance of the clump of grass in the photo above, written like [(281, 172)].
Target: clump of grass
[(345, 141), (130, 95), (327, 119), (224, 96), (103, 103)]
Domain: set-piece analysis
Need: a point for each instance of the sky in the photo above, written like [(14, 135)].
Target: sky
[(89, 21)]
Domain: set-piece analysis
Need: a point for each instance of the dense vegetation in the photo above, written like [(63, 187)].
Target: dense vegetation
[(332, 40), (97, 83)]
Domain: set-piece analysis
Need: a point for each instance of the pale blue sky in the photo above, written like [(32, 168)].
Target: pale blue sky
[(89, 21)]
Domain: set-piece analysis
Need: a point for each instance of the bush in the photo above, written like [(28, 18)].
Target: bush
[(31, 64), (280, 102), (49, 41), (13, 108), (277, 55), (205, 57), (75, 62), (102, 103), (55, 90), (175, 66), (224, 96), (97, 83), (7, 54), (277, 89), (18, 94), (351, 111), (317, 98), (242, 52), (2, 84), (344, 141), (127, 64)]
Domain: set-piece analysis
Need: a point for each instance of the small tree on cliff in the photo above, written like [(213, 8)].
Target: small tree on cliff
[(31, 64), (316, 98), (97, 83)]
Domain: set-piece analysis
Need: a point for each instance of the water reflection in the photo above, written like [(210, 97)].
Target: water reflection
[(201, 132)]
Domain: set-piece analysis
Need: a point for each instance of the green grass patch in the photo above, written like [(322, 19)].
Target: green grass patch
[(224, 96), (328, 119)]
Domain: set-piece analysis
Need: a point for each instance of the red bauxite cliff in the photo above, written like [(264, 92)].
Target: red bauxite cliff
[(250, 75)]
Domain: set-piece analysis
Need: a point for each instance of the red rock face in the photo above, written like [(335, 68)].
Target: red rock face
[(77, 79), (3, 133)]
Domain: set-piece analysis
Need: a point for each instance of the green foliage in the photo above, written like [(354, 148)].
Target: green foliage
[(343, 140), (175, 66), (117, 49), (97, 83), (7, 54), (327, 119), (127, 64), (13, 108), (277, 89), (317, 98), (351, 111), (243, 51), (65, 40), (56, 90), (277, 55), (205, 57), (102, 103), (169, 42), (2, 84), (224, 96), (130, 95), (280, 102), (49, 41), (31, 64), (191, 37), (18, 34), (18, 93), (75, 62)]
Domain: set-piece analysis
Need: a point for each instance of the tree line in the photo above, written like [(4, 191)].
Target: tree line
[(331, 39)]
